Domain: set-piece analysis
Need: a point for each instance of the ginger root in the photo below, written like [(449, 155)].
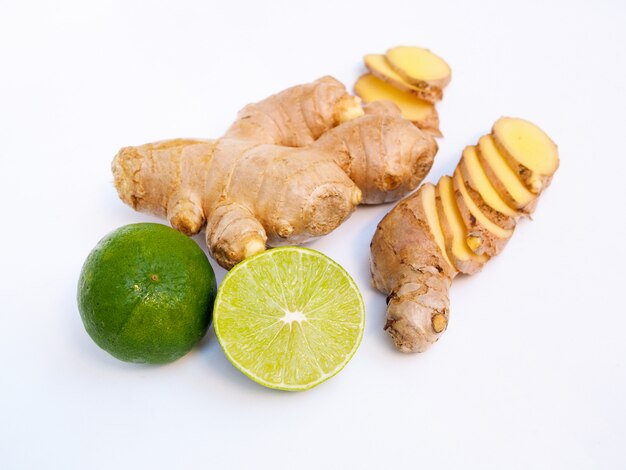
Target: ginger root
[(291, 167), (456, 226)]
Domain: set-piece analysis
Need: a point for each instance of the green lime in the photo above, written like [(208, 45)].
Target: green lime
[(145, 293), (289, 318)]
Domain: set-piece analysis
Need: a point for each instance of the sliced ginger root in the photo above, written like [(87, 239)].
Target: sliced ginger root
[(291, 167), (422, 113), (419, 67), (415, 268), (379, 67)]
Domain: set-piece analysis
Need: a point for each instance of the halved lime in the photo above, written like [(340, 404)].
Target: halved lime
[(289, 318)]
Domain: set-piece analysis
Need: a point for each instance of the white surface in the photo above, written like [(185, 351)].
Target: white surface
[(530, 374)]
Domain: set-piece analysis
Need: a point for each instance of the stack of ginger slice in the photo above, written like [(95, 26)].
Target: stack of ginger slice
[(497, 181), (411, 77)]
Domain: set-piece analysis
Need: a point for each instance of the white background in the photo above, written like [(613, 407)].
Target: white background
[(532, 370)]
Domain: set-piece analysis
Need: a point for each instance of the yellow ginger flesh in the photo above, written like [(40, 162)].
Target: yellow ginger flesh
[(432, 217)]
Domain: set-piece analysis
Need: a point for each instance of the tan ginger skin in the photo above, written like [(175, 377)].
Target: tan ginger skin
[(413, 257), (290, 168)]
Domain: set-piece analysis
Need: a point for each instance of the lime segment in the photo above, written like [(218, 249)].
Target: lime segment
[(289, 318)]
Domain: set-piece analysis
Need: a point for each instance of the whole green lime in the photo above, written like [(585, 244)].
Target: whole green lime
[(146, 293)]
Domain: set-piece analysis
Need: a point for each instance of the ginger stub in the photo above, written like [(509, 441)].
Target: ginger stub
[(410, 266), (453, 227), (290, 168)]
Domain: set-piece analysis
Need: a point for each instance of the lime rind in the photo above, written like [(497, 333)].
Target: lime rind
[(306, 281)]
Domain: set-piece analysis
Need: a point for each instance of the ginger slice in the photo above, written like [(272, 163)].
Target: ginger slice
[(419, 66), (481, 183), (503, 177), (484, 236), (433, 219), (455, 232), (420, 112), (378, 66), (529, 151)]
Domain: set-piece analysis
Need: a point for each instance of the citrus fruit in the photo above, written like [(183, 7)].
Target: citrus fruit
[(145, 293), (289, 318)]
